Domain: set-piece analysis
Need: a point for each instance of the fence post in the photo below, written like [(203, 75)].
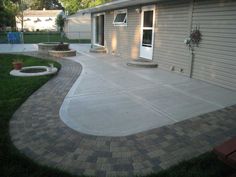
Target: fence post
[(48, 36), (22, 38)]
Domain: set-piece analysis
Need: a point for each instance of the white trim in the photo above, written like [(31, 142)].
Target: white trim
[(94, 29), (120, 11), (150, 7), (149, 49), (98, 14)]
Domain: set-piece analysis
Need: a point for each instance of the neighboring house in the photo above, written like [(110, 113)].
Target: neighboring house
[(78, 26), (37, 20), (156, 30)]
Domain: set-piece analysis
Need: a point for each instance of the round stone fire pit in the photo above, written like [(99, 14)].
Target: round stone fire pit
[(34, 71)]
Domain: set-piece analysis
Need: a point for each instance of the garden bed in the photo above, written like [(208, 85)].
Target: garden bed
[(56, 49), (43, 48)]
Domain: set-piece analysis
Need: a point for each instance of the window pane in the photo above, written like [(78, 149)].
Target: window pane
[(120, 18), (147, 38), (148, 19)]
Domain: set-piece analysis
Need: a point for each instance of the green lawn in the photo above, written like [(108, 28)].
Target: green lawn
[(37, 37), (15, 90)]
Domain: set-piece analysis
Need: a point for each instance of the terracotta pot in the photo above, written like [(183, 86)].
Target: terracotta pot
[(17, 65)]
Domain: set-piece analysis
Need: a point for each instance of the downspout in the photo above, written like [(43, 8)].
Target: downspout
[(92, 30), (191, 5)]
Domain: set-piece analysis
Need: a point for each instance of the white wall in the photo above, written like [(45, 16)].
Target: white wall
[(43, 24)]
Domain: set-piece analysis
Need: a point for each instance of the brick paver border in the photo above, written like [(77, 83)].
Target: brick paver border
[(37, 131)]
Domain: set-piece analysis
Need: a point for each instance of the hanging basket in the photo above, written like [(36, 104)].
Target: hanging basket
[(196, 36)]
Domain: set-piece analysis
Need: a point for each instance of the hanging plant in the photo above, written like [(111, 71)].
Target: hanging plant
[(195, 36)]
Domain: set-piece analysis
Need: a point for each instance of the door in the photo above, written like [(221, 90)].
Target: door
[(99, 30), (147, 32)]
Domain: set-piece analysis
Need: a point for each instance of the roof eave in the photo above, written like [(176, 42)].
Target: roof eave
[(117, 5)]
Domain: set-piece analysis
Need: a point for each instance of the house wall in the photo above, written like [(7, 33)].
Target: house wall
[(215, 58), (78, 27), (172, 27), (123, 41)]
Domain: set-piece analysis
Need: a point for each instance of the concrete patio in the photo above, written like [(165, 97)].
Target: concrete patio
[(112, 99)]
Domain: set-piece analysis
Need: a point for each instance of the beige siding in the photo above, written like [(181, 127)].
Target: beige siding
[(78, 27), (123, 40), (215, 58), (172, 27)]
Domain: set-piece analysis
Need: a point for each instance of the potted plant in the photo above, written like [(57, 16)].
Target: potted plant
[(17, 64)]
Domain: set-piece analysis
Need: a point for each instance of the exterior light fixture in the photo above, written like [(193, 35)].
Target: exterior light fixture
[(138, 10)]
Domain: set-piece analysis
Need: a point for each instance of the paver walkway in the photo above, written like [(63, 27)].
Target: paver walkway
[(38, 132)]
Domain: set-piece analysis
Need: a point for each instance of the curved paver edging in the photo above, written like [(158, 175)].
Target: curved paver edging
[(38, 132)]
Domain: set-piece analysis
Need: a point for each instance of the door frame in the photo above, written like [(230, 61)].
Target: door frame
[(147, 8), (94, 28)]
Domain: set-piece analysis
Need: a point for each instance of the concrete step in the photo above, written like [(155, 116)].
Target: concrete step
[(144, 63), (98, 50)]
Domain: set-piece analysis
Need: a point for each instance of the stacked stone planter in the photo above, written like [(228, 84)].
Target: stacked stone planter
[(43, 48), (48, 48), (56, 53)]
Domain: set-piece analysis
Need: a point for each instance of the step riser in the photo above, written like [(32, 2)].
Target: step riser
[(142, 66), (98, 51)]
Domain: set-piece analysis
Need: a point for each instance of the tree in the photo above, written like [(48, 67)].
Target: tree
[(47, 4), (72, 6), (7, 13), (11, 9), (60, 22), (20, 13), (96, 2)]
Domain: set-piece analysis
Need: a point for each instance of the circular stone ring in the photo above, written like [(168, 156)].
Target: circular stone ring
[(34, 71)]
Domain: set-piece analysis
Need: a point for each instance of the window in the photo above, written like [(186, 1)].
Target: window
[(147, 38), (37, 20), (48, 19), (120, 17), (148, 19)]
